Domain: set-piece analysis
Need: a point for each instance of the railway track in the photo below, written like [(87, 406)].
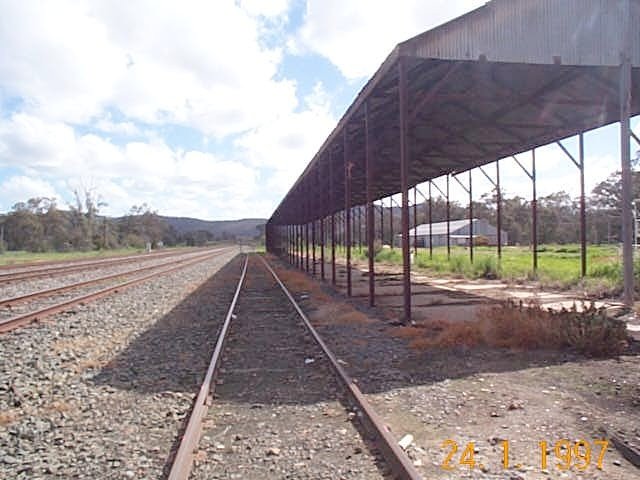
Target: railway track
[(57, 269), (55, 300), (275, 393)]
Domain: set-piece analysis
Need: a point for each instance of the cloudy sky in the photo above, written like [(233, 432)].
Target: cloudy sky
[(208, 109)]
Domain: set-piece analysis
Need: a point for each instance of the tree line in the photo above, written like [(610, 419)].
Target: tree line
[(39, 225)]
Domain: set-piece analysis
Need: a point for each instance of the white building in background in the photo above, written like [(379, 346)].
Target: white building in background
[(458, 233)]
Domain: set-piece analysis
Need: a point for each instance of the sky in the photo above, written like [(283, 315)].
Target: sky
[(207, 109)]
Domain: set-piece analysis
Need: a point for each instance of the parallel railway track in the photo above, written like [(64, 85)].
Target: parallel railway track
[(280, 375), (19, 273), (11, 323)]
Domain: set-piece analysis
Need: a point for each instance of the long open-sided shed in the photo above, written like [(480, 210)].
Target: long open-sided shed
[(503, 79)]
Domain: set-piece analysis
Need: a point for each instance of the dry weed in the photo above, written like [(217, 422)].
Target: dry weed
[(589, 331)]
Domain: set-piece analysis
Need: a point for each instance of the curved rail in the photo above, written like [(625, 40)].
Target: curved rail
[(21, 320), (183, 460)]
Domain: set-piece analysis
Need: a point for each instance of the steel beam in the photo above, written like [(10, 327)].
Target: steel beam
[(404, 184), (368, 165), (347, 205), (415, 220), (625, 159), (430, 220), (534, 206), (583, 222)]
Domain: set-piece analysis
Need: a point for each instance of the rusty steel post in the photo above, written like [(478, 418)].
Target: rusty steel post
[(415, 220), (448, 222), (322, 242), (360, 229), (430, 220), (470, 218), (391, 222), (306, 246), (313, 247), (347, 205), (499, 210), (381, 222), (625, 158), (404, 184), (583, 210), (370, 218), (534, 212)]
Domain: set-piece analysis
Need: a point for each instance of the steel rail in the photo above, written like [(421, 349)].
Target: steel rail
[(15, 322), (62, 269), (399, 462), (73, 286), (181, 467), (74, 261)]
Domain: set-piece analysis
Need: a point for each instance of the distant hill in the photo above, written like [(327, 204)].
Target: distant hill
[(245, 228)]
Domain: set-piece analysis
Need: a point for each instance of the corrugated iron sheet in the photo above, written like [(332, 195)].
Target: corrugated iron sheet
[(577, 32)]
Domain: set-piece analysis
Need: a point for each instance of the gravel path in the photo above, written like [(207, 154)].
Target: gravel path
[(277, 412), (102, 392)]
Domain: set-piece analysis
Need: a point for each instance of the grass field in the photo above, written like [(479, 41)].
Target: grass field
[(19, 256), (558, 265)]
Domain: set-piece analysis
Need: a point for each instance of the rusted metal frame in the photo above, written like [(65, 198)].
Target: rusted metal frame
[(333, 221), (381, 222), (427, 216), (496, 185), (404, 183), (348, 166), (534, 206), (323, 219), (433, 92), (564, 78), (313, 247), (368, 167), (400, 464), (469, 192), (634, 136), (583, 211), (415, 220), (445, 194), (391, 202), (181, 467), (625, 158), (360, 222)]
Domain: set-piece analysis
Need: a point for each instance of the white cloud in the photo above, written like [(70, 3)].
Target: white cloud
[(288, 144), (357, 35), (197, 63), (174, 182), (20, 188)]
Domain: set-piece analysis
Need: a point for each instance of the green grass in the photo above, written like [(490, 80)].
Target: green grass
[(558, 265), (18, 257)]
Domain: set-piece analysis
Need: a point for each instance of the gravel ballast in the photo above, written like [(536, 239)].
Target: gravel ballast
[(278, 410), (102, 391)]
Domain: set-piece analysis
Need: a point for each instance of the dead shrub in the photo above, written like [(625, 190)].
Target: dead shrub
[(588, 330)]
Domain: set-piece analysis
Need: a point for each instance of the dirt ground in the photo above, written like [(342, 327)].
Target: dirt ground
[(480, 400)]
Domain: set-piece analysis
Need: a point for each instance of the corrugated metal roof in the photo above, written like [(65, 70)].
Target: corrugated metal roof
[(574, 32), (466, 111)]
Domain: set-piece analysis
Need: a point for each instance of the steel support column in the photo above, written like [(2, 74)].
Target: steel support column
[(625, 158), (496, 186), (391, 222), (534, 212), (534, 206), (448, 222), (404, 184), (470, 192), (415, 220), (347, 206), (313, 247), (381, 222), (430, 220), (583, 219), (370, 220)]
